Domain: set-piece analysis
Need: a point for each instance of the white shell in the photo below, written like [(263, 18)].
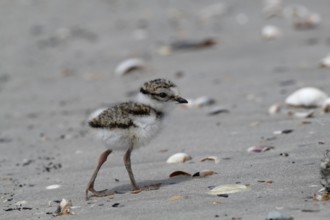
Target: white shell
[(129, 65), (325, 62), (274, 109), (178, 158), (270, 32), (307, 97), (55, 186)]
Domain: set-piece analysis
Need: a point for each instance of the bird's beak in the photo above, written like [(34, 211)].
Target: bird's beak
[(180, 100)]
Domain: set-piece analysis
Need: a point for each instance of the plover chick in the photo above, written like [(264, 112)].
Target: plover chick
[(129, 125)]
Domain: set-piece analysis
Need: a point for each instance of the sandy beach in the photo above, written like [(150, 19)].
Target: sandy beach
[(57, 64)]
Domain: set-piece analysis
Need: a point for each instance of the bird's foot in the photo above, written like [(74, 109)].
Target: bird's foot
[(101, 193)]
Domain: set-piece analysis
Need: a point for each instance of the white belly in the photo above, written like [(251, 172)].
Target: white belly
[(120, 139)]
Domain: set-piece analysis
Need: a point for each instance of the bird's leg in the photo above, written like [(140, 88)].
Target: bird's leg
[(90, 187), (127, 161)]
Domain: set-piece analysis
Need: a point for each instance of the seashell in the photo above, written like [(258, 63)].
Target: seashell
[(64, 208), (179, 173), (178, 158), (270, 32), (129, 65), (55, 186), (186, 45), (306, 97), (326, 105), (272, 8), (302, 18), (259, 148), (308, 114), (325, 62), (228, 189), (204, 101), (217, 110), (309, 21), (204, 173), (276, 215), (214, 158), (286, 131), (274, 109), (321, 196)]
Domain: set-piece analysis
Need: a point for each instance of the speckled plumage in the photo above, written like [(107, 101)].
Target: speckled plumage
[(122, 115)]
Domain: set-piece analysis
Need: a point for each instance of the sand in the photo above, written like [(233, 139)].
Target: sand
[(57, 63)]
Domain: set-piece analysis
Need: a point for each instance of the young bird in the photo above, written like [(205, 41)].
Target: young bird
[(129, 125)]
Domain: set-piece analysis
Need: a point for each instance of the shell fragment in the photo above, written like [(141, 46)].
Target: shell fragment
[(178, 158), (228, 189), (129, 66)]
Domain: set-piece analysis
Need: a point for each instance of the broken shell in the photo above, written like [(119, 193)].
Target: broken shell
[(308, 114), (217, 110), (204, 101), (286, 131), (64, 208), (270, 32), (55, 186), (326, 105), (179, 173), (199, 44), (309, 21), (302, 18), (204, 173), (272, 8), (259, 148), (324, 196), (306, 97), (214, 158), (325, 62), (228, 189), (274, 109), (178, 158), (129, 66)]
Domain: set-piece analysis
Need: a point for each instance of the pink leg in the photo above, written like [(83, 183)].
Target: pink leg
[(127, 162), (90, 187)]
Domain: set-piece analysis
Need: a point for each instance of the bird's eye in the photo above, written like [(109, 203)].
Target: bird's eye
[(162, 94)]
